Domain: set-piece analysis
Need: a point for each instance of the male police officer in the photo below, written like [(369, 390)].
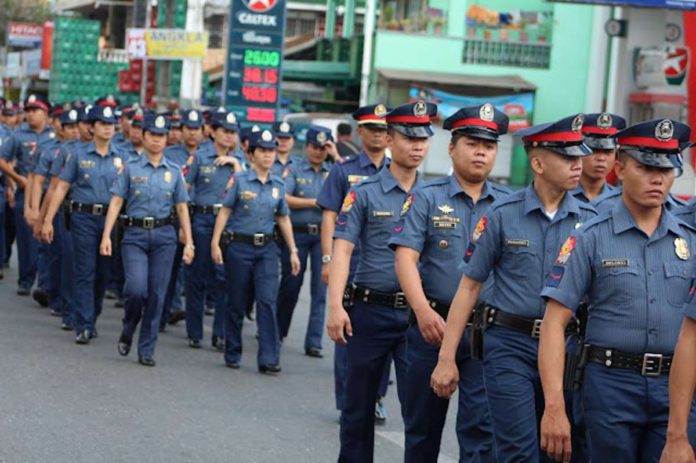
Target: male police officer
[(429, 247), (377, 324), (518, 239), (634, 263)]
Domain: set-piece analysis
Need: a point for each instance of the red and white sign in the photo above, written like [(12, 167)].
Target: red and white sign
[(136, 45), (260, 6), (25, 35)]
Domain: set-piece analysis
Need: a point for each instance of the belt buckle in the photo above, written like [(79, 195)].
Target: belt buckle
[(652, 365), (216, 208), (400, 301), (536, 329), (148, 223), (97, 209), (312, 229), (259, 239)]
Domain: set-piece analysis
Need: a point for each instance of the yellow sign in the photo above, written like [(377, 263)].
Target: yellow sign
[(175, 44)]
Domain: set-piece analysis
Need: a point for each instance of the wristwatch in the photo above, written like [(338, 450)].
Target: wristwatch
[(325, 259)]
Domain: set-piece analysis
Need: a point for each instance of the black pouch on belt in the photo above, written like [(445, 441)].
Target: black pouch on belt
[(476, 332)]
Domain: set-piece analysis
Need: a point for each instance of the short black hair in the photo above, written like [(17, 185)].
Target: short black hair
[(344, 128)]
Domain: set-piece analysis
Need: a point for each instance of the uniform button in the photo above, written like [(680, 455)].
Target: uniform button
[(650, 272), (608, 363), (607, 353), (652, 300)]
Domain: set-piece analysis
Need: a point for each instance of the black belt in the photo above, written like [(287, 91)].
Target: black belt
[(94, 209), (214, 209), (309, 229), (257, 239), (531, 326), (369, 296), (440, 307), (147, 223), (645, 364)]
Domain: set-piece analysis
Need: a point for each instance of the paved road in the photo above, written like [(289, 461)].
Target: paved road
[(60, 402)]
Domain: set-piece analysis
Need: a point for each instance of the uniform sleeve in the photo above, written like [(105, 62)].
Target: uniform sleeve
[(58, 162), (69, 171), (232, 192), (571, 274), (180, 194), (289, 180), (334, 190), (351, 217), (484, 247), (121, 186), (412, 228), (283, 208), (191, 169), (43, 167), (7, 149)]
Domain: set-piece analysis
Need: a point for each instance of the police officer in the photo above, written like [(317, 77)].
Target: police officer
[(634, 264), (255, 201), (303, 181), (24, 145), (377, 324), (151, 186), (175, 131), (344, 174), (429, 247), (285, 136), (518, 239), (134, 146), (84, 125), (208, 179), (89, 172)]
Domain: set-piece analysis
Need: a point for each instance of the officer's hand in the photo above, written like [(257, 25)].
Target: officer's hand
[(332, 150), (10, 196), (555, 434), (189, 253), (105, 246), (339, 325), (431, 325), (47, 232), (36, 229), (445, 379), (678, 450), (294, 264), (30, 216), (325, 273), (21, 182), (216, 253), (182, 238)]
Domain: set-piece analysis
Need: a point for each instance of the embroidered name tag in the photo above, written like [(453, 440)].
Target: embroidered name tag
[(353, 179), (208, 169), (609, 263), (382, 214), (303, 181), (247, 195), (87, 164), (446, 225), (138, 179), (446, 218), (518, 243)]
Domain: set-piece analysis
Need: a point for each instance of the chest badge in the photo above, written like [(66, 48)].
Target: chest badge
[(443, 244), (275, 192), (445, 209), (681, 249), (168, 177)]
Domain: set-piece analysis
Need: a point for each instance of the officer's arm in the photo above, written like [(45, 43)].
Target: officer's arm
[(328, 227), (28, 190), (112, 213), (339, 268), (57, 198), (682, 381), (6, 165), (406, 262), (47, 198), (460, 312), (36, 187), (220, 223), (301, 203), (182, 211), (552, 353)]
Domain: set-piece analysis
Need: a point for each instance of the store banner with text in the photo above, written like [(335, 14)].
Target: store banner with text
[(166, 44)]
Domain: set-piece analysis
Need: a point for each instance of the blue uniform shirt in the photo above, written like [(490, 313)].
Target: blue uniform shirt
[(255, 205), (25, 145), (62, 155), (178, 155), (209, 182), (438, 225), (519, 243), (47, 157), (636, 285), (278, 168), (150, 191), (607, 193), (92, 175), (687, 214), (674, 202), (369, 215), (343, 175), (304, 182)]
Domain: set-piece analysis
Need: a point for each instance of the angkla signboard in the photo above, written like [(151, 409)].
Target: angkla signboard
[(672, 4)]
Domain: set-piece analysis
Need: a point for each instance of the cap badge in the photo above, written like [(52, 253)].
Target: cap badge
[(160, 122), (32, 99), (139, 112), (380, 110), (266, 136), (108, 112), (255, 128), (110, 99), (220, 109), (231, 118), (72, 115), (420, 108), (284, 127), (664, 130), (576, 125), (681, 248), (604, 121), (193, 116), (487, 112), (321, 137)]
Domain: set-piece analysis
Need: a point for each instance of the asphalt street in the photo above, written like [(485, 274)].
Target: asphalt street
[(61, 402)]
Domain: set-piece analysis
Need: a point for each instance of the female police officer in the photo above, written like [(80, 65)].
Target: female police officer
[(152, 186), (255, 199)]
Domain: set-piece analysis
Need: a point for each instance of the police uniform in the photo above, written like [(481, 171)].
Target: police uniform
[(519, 242), (283, 130), (636, 286), (90, 175), (344, 174), (304, 181), (149, 241), (368, 216), (25, 145), (438, 225), (251, 258), (208, 186)]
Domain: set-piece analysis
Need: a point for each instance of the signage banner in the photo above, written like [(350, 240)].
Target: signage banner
[(518, 107), (674, 4), (166, 44), (46, 51), (24, 35), (660, 66)]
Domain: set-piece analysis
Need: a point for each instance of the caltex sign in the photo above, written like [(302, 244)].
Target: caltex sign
[(260, 6), (660, 66)]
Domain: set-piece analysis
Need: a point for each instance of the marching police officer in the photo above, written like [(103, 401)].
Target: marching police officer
[(255, 201), (89, 172), (377, 323), (634, 264), (151, 186), (303, 181), (285, 136), (518, 239), (429, 247)]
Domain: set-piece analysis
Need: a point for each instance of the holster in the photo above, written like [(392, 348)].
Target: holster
[(476, 333), (67, 213), (575, 361), (225, 240), (348, 297)]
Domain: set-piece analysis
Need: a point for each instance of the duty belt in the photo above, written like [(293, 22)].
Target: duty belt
[(214, 209), (440, 308), (147, 223), (369, 296), (309, 229), (493, 316), (257, 239), (645, 364), (94, 209)]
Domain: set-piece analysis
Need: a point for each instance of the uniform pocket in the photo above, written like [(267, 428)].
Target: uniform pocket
[(522, 259), (677, 282)]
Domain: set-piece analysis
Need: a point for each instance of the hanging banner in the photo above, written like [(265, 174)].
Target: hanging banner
[(166, 44), (46, 51), (24, 35), (518, 107)]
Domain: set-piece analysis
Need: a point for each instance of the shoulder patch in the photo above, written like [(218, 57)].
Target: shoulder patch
[(286, 172), (479, 229), (348, 202), (566, 250), (230, 182), (407, 205)]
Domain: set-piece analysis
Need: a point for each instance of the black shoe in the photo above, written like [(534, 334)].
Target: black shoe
[(163, 328), (380, 412), (66, 326), (250, 314), (194, 343), (146, 360), (41, 297), (124, 345), (119, 304), (175, 316), (209, 311), (2, 275), (109, 294), (233, 365), (269, 369), (314, 352), (218, 343), (93, 334), (23, 291), (82, 338), (56, 313)]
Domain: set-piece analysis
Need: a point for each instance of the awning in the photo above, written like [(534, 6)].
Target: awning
[(464, 80)]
